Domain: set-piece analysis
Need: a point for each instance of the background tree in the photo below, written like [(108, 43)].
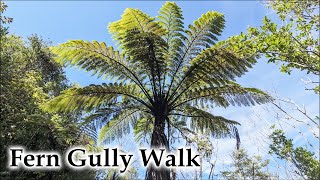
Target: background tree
[(205, 149), (30, 77), (295, 41), (162, 71), (305, 161), (246, 167)]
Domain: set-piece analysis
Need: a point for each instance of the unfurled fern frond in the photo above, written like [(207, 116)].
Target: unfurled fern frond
[(93, 56), (99, 59), (218, 63), (170, 18), (201, 35), (93, 96), (229, 94), (118, 126), (204, 122), (100, 117), (134, 19)]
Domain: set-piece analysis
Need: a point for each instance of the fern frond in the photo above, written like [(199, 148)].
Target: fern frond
[(180, 124), (91, 130), (171, 19), (201, 35), (204, 122), (91, 56), (93, 97), (131, 20), (230, 94), (100, 117)]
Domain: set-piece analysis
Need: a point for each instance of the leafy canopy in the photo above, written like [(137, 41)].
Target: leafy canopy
[(160, 71)]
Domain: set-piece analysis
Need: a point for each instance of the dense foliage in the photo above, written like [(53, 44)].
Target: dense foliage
[(30, 77)]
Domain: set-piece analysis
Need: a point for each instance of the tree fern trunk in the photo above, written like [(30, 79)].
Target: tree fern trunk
[(158, 140)]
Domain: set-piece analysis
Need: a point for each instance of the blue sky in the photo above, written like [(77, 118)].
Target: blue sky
[(60, 21)]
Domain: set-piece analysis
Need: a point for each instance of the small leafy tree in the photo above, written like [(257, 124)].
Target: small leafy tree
[(246, 167), (306, 163), (161, 72)]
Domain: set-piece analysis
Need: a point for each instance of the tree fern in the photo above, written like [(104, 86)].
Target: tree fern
[(163, 77)]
